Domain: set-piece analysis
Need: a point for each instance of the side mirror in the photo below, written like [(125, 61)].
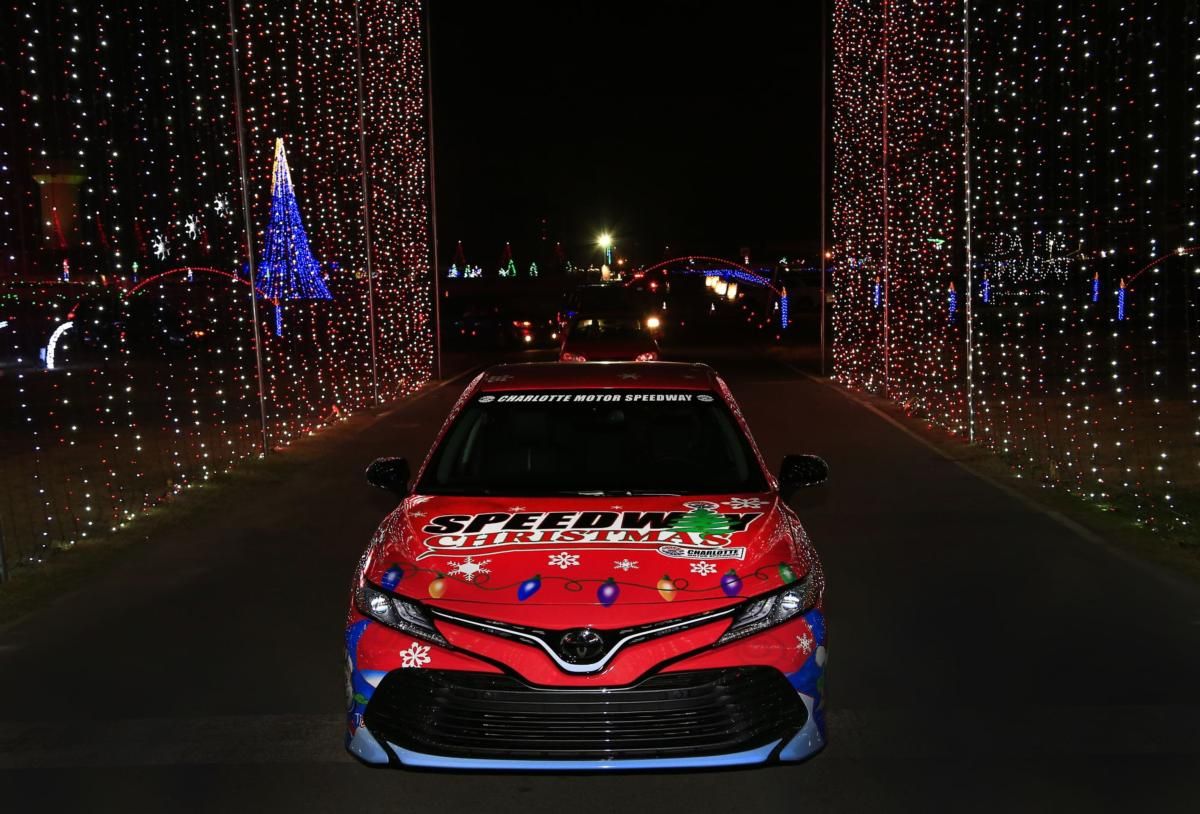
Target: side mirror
[(799, 471), (389, 473)]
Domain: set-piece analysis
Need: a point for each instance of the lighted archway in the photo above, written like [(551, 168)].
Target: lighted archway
[(711, 265), (206, 270)]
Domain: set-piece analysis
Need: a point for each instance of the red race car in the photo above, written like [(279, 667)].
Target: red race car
[(593, 569)]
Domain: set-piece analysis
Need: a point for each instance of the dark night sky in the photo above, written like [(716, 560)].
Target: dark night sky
[(693, 124)]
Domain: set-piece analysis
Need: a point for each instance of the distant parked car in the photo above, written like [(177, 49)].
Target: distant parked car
[(608, 339)]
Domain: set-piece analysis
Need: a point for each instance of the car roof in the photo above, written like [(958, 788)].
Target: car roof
[(576, 376)]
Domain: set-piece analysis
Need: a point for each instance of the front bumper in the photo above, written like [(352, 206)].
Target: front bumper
[(707, 710), (803, 744)]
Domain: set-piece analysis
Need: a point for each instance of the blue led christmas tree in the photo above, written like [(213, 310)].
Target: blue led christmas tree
[(288, 270)]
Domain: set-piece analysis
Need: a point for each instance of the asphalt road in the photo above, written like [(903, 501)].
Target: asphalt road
[(983, 656)]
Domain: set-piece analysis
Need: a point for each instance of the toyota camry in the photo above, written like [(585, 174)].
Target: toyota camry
[(592, 569)]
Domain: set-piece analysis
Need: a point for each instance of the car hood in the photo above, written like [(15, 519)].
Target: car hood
[(607, 561)]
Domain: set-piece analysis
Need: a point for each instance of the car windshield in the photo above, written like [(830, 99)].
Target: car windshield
[(605, 442), (606, 328)]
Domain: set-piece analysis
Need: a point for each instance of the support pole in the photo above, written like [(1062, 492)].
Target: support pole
[(967, 218), (824, 169), (887, 338), (433, 230), (252, 267), (366, 207)]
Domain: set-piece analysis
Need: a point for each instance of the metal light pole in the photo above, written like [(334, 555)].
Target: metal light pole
[(967, 219), (241, 140), (366, 207), (824, 169), (433, 230)]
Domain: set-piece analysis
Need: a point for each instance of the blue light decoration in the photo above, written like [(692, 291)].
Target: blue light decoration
[(391, 577), (288, 270), (953, 302), (529, 587), (1121, 301), (878, 296), (985, 289), (783, 309), (453, 272), (1096, 287)]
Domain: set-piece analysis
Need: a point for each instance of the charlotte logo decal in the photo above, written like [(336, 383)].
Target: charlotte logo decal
[(701, 532)]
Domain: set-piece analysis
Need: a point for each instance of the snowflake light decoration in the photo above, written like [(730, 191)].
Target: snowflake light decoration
[(417, 655), (563, 560), (162, 249), (192, 226), (221, 205), (468, 568)]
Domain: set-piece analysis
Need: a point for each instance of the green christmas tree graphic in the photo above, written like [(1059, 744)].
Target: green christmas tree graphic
[(702, 520)]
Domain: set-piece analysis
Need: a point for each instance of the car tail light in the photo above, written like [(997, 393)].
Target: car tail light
[(648, 356), (567, 356)]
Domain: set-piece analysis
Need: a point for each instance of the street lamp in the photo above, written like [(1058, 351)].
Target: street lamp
[(605, 243)]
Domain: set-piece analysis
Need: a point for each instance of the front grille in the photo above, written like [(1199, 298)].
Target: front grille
[(481, 715)]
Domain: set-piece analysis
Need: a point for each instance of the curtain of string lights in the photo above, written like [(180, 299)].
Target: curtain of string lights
[(128, 363), (1015, 224)]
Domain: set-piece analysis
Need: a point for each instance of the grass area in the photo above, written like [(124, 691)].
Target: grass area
[(34, 586), (1176, 548)]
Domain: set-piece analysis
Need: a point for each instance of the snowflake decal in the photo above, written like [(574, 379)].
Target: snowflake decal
[(468, 568), (745, 503), (703, 568), (162, 249), (564, 560), (626, 565), (804, 643), (417, 655), (192, 226)]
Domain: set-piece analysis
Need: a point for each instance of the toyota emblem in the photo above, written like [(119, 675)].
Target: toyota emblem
[(582, 646)]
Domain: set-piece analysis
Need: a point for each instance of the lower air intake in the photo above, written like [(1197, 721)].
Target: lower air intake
[(481, 715)]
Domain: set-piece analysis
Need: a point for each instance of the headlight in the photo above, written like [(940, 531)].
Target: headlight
[(653, 322), (772, 609), (396, 612), (649, 356)]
